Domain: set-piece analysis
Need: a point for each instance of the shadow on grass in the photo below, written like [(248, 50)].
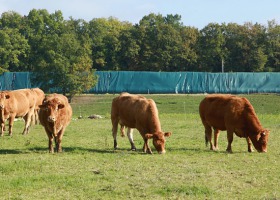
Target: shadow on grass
[(11, 151)]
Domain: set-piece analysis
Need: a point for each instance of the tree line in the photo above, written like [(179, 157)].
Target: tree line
[(69, 51)]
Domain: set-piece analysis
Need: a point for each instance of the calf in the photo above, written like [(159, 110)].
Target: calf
[(134, 111), (55, 114), (235, 115)]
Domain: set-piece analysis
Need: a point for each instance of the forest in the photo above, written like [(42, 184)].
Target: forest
[(46, 42)]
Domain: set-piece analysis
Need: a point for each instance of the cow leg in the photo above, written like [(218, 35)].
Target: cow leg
[(58, 140), (2, 128), (208, 136), (114, 132), (250, 148), (11, 123), (146, 148), (122, 130), (230, 139), (50, 136), (130, 137), (216, 137), (27, 119)]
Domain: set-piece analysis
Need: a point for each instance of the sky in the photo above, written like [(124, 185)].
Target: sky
[(196, 13)]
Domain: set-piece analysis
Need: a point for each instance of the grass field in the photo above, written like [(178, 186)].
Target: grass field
[(89, 168)]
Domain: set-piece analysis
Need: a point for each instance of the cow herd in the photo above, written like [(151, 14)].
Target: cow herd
[(217, 112)]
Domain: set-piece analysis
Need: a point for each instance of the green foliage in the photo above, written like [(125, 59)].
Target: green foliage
[(89, 168), (46, 42)]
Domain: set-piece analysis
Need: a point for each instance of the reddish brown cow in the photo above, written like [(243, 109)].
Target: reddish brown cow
[(134, 111), (235, 115), (55, 114), (17, 103)]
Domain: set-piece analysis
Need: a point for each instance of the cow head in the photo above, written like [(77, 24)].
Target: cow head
[(158, 140), (51, 107), (3, 97), (260, 141)]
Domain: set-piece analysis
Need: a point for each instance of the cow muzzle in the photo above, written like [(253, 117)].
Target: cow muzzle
[(51, 119), (162, 152)]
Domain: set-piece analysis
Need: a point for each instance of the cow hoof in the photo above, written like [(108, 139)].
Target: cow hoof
[(133, 149), (229, 150)]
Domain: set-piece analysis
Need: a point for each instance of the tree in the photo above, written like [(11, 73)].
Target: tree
[(13, 48), (212, 49), (105, 35), (273, 46), (61, 57)]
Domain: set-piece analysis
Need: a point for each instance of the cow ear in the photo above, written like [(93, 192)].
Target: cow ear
[(167, 134), (149, 136), (60, 106)]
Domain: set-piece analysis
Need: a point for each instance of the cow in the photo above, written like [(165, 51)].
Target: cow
[(14, 104), (135, 111), (39, 97), (55, 115), (235, 115)]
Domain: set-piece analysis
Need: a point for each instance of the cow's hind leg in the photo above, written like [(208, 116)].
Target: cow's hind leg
[(250, 148), (130, 137), (114, 132), (208, 136), (216, 137), (11, 123)]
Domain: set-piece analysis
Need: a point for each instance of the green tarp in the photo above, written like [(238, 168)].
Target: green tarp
[(164, 82), (186, 82), (15, 80)]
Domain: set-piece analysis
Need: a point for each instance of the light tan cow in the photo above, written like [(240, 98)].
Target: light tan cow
[(14, 104), (134, 111)]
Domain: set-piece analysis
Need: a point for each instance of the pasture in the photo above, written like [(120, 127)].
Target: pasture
[(89, 168)]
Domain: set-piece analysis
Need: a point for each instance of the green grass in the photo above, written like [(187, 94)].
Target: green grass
[(89, 168)]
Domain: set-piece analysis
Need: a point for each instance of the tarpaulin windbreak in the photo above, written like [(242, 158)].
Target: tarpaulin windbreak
[(164, 82), (15, 80), (186, 82)]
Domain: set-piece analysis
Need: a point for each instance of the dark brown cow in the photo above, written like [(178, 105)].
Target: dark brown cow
[(16, 103), (55, 115), (235, 115), (134, 111)]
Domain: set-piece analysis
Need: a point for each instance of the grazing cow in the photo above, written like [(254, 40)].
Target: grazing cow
[(16, 103), (55, 114), (235, 115), (39, 96), (134, 111)]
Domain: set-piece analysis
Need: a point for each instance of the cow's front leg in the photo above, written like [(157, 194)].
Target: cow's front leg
[(230, 139), (146, 148), (250, 148), (50, 136), (130, 137), (58, 140)]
